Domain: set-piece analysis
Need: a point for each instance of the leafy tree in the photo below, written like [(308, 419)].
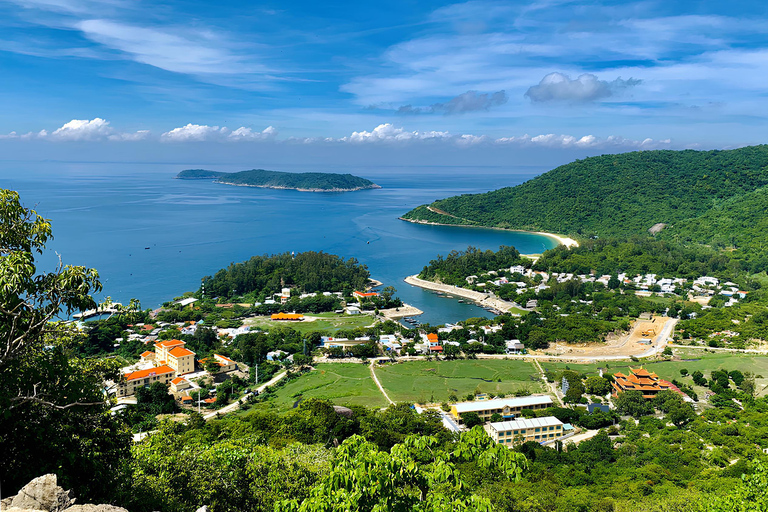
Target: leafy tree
[(632, 403), (53, 414), (698, 378), (416, 475), (471, 419), (750, 496), (596, 385), (155, 399)]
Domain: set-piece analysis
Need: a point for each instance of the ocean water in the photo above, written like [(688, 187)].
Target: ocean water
[(153, 237)]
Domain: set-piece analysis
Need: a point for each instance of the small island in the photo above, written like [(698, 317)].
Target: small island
[(303, 182)]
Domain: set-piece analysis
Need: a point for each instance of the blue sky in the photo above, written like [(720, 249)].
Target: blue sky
[(482, 77)]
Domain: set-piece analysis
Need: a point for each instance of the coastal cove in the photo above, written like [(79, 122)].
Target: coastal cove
[(152, 237)]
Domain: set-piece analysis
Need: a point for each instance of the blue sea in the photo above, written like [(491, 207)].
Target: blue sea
[(153, 237)]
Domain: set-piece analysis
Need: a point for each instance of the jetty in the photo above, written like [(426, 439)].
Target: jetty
[(111, 310), (486, 301)]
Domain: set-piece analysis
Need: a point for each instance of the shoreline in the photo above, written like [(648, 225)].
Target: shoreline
[(561, 240), (484, 300), (370, 187)]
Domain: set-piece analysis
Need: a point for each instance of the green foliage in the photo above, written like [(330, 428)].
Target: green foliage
[(750, 496), (310, 272), (417, 475), (636, 255), (315, 181), (632, 403), (454, 268), (53, 414), (471, 419), (634, 191)]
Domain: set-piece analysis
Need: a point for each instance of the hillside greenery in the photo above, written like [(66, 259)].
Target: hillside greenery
[(311, 181), (457, 265), (613, 195), (307, 272)]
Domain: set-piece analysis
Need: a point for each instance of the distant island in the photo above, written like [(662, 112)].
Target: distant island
[(303, 181)]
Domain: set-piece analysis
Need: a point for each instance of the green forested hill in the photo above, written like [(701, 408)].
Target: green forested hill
[(306, 181), (738, 223), (613, 195)]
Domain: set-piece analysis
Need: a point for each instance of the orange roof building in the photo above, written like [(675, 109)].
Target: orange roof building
[(639, 379), (143, 378), (174, 354), (365, 295), (288, 316), (433, 339)]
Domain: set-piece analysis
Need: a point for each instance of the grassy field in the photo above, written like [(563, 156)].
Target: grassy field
[(328, 322), (434, 381), (693, 360), (342, 383)]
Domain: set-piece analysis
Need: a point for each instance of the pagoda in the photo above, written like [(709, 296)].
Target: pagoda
[(639, 379)]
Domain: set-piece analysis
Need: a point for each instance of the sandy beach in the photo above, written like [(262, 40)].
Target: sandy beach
[(562, 240)]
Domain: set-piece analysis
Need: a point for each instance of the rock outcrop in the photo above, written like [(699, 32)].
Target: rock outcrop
[(43, 494)]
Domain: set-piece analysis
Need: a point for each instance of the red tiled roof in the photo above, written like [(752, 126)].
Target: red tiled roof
[(170, 343), (365, 294), (432, 336), (223, 357), (147, 353), (140, 374), (436, 348), (180, 352), (178, 380)]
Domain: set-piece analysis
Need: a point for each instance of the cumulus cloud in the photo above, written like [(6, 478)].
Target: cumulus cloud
[(558, 87), (193, 132), (243, 133), (83, 129), (388, 132), (202, 132), (470, 101), (132, 137), (552, 140)]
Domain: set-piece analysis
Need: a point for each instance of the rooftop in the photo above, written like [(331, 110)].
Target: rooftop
[(524, 423), (500, 403), (140, 374)]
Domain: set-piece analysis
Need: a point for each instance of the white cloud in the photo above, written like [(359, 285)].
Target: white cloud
[(387, 132), (194, 132), (243, 133), (199, 133), (132, 137), (83, 129), (552, 140), (558, 87), (166, 50)]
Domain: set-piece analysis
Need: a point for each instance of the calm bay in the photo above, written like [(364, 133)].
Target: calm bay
[(153, 237)]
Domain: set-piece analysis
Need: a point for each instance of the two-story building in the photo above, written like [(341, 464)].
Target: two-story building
[(143, 378), (522, 430), (508, 408)]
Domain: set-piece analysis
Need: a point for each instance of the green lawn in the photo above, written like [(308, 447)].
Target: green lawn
[(700, 360), (328, 322), (341, 383), (434, 381)]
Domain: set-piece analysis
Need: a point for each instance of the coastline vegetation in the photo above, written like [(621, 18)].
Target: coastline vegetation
[(304, 181)]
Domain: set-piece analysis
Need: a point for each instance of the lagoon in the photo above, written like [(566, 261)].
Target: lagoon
[(153, 237)]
